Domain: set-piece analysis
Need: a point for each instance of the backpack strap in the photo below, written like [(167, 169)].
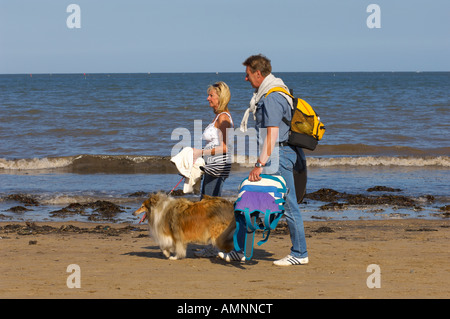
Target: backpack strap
[(280, 89), (251, 226), (271, 220)]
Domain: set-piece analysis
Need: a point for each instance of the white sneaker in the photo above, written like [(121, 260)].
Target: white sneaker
[(291, 260), (232, 256)]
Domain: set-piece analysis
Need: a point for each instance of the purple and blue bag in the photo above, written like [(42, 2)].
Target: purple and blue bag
[(262, 200)]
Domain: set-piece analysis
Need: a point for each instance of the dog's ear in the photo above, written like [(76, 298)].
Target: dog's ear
[(156, 198), (151, 201)]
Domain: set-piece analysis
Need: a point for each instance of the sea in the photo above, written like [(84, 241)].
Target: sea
[(68, 139)]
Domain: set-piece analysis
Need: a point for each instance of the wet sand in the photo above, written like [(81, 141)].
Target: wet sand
[(121, 261)]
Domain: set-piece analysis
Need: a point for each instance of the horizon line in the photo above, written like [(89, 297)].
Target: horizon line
[(212, 72)]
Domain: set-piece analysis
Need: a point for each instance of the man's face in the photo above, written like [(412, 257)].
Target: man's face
[(255, 78)]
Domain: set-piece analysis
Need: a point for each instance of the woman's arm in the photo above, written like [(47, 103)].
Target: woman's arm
[(223, 122)]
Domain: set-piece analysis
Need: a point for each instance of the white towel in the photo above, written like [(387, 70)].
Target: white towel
[(184, 163), (269, 82)]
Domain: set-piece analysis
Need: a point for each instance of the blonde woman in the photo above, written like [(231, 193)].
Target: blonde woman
[(216, 151)]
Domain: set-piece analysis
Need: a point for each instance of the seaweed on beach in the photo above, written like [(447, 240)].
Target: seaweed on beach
[(98, 210), (334, 206), (326, 195), (28, 200), (18, 209), (337, 200), (383, 189)]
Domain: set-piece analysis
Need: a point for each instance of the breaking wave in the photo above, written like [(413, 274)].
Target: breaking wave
[(162, 165), (36, 163), (93, 164), (405, 161)]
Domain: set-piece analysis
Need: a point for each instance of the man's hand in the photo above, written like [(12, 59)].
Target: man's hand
[(254, 174)]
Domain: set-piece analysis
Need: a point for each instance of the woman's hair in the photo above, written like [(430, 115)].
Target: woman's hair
[(259, 62), (223, 91)]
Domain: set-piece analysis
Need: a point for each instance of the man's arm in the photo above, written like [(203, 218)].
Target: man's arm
[(268, 147)]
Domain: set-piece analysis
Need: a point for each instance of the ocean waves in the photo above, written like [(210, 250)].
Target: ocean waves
[(36, 163), (377, 150), (404, 161), (88, 164), (126, 164)]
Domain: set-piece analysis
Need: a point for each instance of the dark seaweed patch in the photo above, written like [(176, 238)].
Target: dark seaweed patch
[(99, 210)]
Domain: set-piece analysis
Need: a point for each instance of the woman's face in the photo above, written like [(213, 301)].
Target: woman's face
[(213, 99)]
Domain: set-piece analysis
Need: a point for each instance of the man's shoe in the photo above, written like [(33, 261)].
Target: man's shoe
[(290, 261)]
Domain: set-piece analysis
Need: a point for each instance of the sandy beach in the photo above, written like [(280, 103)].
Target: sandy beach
[(121, 261)]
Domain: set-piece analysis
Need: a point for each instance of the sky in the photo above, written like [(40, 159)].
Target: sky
[(133, 36)]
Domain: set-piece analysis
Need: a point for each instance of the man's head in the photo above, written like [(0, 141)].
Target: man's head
[(257, 68)]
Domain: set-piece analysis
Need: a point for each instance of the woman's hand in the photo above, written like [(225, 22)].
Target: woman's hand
[(197, 153)]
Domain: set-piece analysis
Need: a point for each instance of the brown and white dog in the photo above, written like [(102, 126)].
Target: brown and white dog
[(176, 222)]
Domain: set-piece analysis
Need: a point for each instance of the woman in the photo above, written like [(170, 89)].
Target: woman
[(216, 152)]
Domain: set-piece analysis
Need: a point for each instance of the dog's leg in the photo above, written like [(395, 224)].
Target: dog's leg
[(225, 240), (166, 245), (180, 251), (166, 253)]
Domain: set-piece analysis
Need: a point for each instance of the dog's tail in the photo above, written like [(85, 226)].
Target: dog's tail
[(225, 240)]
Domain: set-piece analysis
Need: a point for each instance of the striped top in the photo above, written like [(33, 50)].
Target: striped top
[(216, 165)]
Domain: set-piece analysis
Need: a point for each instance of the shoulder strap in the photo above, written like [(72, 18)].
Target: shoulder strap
[(279, 89), (229, 116)]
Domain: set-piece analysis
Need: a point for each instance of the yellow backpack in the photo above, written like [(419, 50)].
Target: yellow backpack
[(306, 129)]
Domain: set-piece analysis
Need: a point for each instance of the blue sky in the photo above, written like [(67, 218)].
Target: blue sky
[(216, 36)]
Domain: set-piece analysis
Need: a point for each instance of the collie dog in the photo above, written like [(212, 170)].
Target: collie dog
[(176, 222)]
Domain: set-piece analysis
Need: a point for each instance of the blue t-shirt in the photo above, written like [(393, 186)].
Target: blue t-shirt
[(270, 111)]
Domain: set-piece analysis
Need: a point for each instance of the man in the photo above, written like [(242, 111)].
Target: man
[(268, 113)]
